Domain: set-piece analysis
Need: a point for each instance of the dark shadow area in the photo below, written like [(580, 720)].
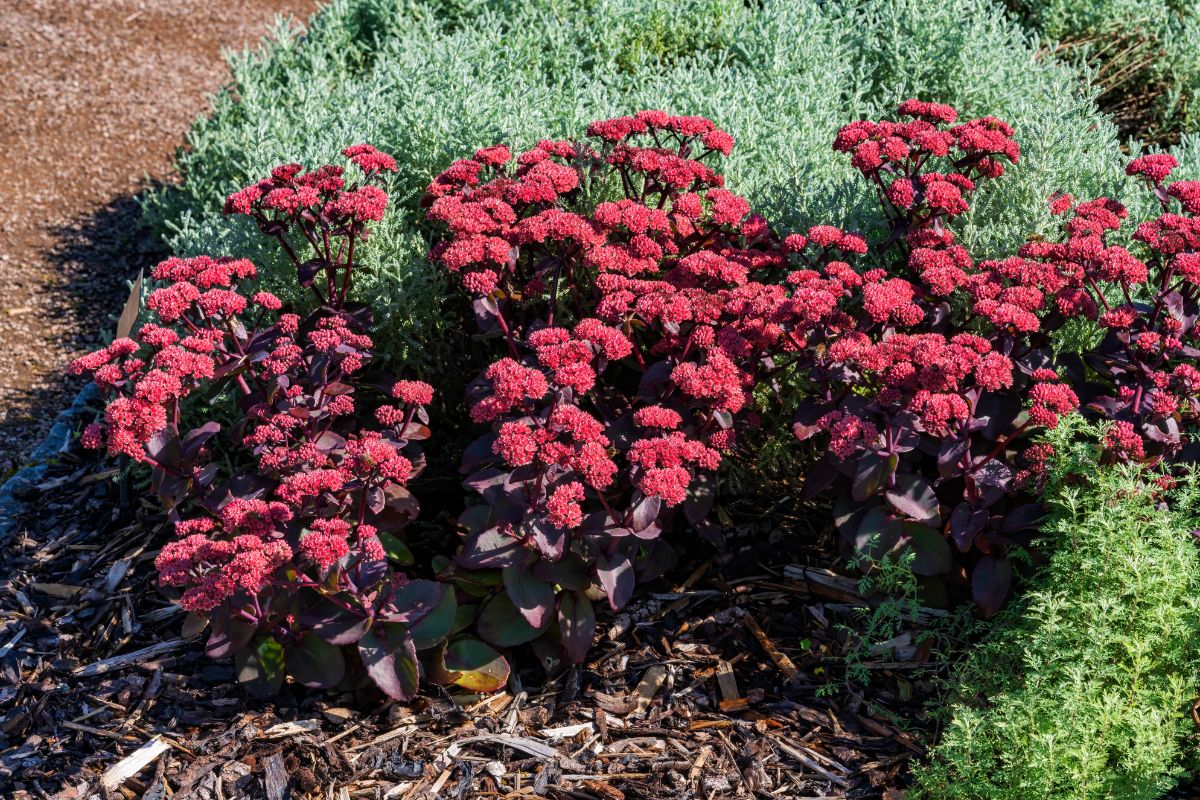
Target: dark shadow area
[(92, 261)]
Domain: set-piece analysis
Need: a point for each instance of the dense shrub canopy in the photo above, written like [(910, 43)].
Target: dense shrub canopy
[(428, 80), (1144, 54)]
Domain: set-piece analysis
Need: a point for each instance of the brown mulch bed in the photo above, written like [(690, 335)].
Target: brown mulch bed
[(719, 685), (96, 97)]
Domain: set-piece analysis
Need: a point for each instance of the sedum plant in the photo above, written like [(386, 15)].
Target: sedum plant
[(629, 306), (290, 554), (932, 373), (616, 274), (429, 80)]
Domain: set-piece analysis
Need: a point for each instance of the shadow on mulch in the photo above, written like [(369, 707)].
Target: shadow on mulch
[(97, 257), (713, 684)]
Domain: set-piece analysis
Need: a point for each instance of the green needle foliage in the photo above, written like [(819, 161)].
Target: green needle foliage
[(429, 81), (1083, 689)]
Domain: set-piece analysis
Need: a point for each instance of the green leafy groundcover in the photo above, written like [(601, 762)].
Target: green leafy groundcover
[(1083, 688), (428, 81)]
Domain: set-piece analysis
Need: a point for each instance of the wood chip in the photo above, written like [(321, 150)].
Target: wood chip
[(732, 699), (785, 664), (566, 731), (285, 729), (651, 682), (275, 777), (338, 716), (137, 656), (116, 775), (64, 591)]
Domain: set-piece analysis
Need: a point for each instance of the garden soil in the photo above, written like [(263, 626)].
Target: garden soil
[(95, 96)]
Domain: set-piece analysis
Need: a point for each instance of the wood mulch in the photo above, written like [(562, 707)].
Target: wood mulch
[(720, 682), (94, 99)]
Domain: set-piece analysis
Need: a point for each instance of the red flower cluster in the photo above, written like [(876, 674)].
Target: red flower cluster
[(630, 336), (931, 372), (634, 331), (916, 368), (315, 204), (1149, 361), (291, 547)]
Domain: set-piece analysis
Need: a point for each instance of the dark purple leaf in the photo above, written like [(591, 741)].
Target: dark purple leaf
[(376, 500), (871, 474), (653, 379), (848, 514), (306, 272), (390, 657), (333, 623), (570, 573), (486, 311), (368, 574), (1024, 517), (966, 522), (913, 497), (990, 582), (931, 551), (653, 560), (488, 482), (164, 447), (645, 512), (315, 663), (330, 442), (477, 518), (414, 432), (551, 541), (477, 667), (196, 438), (476, 453), (818, 478), (502, 623), (617, 579), (877, 534), (576, 624), (260, 669), (412, 601), (228, 635), (533, 597), (433, 628), (491, 548), (950, 456), (994, 478)]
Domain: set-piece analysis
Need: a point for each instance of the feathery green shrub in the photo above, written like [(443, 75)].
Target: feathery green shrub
[(1083, 688), (1144, 54), (429, 79)]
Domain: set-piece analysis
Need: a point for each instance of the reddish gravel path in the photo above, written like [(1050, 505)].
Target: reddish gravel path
[(95, 95)]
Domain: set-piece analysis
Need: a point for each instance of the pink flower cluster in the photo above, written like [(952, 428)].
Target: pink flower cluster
[(1149, 359), (312, 204), (634, 328), (151, 373), (301, 525)]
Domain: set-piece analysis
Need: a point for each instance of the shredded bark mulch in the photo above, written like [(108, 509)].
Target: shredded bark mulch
[(95, 99), (723, 684)]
